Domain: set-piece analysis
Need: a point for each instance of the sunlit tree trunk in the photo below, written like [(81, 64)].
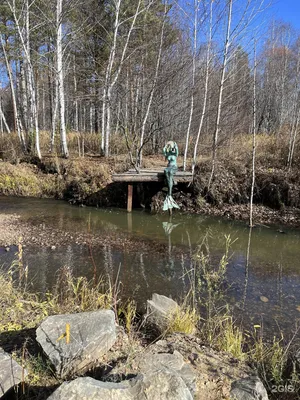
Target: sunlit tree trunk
[(140, 152), (60, 79), (187, 139), (221, 90), (17, 120), (207, 69), (253, 138), (3, 120)]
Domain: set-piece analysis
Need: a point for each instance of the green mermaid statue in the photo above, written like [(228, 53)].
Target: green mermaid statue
[(170, 152)]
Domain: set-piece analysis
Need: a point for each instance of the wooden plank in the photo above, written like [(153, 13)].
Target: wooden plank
[(148, 178), (150, 175), (129, 198)]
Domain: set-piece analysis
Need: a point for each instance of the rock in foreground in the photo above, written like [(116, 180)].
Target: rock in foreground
[(250, 388), (11, 373), (91, 334), (159, 310), (162, 385)]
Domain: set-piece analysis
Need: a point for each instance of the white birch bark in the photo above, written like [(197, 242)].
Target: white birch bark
[(103, 124), (187, 138), (75, 96), (221, 89), (207, 69), (253, 138), (60, 79), (3, 119), (17, 120), (24, 101), (24, 39), (91, 117), (295, 124), (140, 152), (110, 77), (54, 117)]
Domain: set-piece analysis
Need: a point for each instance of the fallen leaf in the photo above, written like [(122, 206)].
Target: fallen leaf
[(264, 299)]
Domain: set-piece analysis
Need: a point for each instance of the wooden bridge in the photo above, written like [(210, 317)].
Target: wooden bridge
[(147, 175)]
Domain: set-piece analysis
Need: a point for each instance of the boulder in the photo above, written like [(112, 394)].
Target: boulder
[(11, 373), (163, 385), (170, 363), (91, 334), (159, 310), (250, 388), (91, 389)]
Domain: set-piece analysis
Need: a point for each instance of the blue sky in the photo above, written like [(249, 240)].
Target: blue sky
[(287, 11)]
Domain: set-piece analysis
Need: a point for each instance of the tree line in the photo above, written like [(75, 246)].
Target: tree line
[(146, 71)]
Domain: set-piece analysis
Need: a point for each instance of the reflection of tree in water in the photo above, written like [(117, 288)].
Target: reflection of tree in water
[(271, 320), (168, 228)]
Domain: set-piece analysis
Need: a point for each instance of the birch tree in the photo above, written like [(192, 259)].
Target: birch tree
[(153, 86), (207, 71), (24, 37), (253, 138), (60, 80), (221, 89), (195, 30), (113, 71), (17, 120)]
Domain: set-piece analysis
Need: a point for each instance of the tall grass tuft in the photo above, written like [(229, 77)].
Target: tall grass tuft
[(184, 320)]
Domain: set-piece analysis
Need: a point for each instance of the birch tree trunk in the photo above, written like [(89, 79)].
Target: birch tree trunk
[(60, 80), (54, 118), (76, 128), (140, 152), (32, 94), (25, 45), (3, 119), (253, 138), (17, 120), (295, 125), (196, 8), (110, 77), (23, 94), (221, 89), (207, 69)]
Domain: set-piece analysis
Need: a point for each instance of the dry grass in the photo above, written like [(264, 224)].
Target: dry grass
[(183, 320)]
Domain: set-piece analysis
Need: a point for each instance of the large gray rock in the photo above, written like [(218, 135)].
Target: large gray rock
[(91, 335), (250, 388), (11, 373), (91, 389), (162, 385), (171, 363), (159, 310)]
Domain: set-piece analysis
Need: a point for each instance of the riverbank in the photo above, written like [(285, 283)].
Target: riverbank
[(87, 181), (213, 355)]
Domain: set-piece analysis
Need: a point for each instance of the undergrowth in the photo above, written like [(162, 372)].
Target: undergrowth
[(21, 310)]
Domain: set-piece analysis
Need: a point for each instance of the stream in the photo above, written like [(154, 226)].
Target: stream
[(264, 290)]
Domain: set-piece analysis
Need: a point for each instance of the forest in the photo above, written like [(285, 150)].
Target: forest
[(126, 76)]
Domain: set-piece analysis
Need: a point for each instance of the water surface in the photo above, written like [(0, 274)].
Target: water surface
[(272, 269)]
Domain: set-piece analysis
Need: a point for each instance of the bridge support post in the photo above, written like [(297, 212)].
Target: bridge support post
[(129, 197)]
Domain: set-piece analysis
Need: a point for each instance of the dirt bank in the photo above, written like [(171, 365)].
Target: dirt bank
[(88, 182)]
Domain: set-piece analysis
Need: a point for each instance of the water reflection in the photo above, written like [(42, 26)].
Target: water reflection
[(264, 262)]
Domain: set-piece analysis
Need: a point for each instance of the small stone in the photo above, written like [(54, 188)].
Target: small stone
[(264, 299), (53, 247), (7, 249)]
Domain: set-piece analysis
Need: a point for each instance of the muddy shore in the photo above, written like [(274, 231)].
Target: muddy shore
[(88, 182)]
